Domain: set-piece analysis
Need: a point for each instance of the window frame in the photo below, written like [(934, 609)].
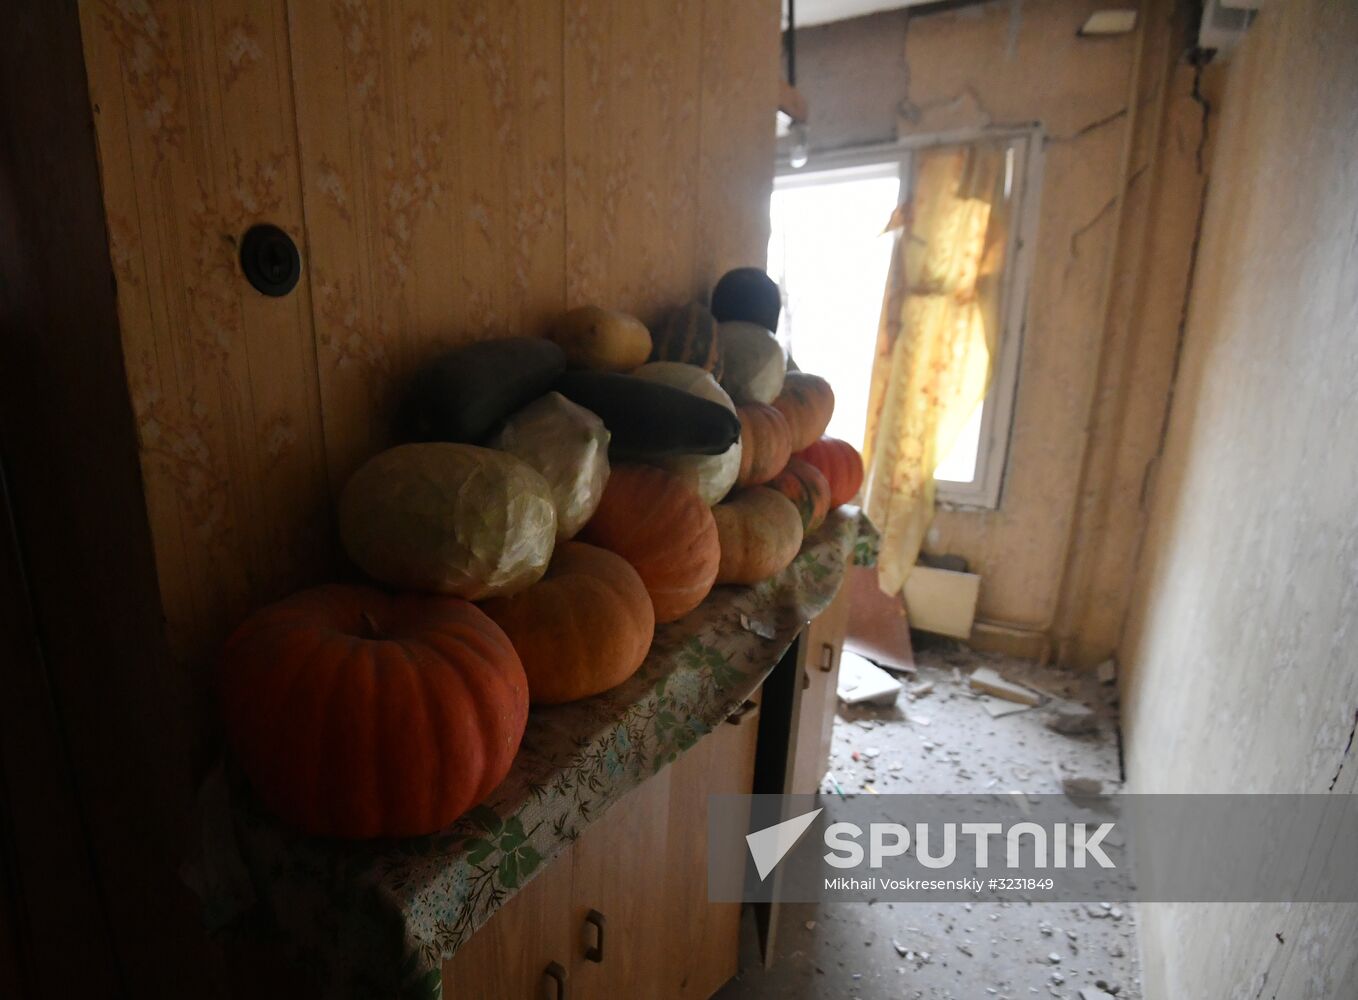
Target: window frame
[(986, 490)]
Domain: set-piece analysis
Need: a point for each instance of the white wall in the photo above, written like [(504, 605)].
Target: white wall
[(1241, 652)]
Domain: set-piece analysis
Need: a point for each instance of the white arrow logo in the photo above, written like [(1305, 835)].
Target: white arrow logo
[(769, 845)]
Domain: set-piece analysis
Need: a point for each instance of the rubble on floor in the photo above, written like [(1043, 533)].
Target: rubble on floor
[(937, 737)]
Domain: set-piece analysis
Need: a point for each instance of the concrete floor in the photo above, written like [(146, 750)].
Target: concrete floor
[(946, 742)]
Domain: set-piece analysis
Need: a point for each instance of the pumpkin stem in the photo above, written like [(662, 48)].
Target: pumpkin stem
[(371, 622)]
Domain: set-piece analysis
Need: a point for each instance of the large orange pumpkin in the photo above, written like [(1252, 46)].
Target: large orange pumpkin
[(840, 464), (359, 714), (765, 443), (583, 628), (802, 483), (661, 526), (760, 532), (808, 402)]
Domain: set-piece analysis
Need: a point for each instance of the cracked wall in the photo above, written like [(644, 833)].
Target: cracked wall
[(1120, 197), (1238, 659), (1010, 63)]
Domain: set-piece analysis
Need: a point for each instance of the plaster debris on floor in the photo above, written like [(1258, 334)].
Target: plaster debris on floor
[(939, 737)]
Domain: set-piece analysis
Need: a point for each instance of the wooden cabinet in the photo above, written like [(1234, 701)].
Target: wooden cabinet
[(510, 956), (624, 911), (821, 646), (621, 885), (702, 939)]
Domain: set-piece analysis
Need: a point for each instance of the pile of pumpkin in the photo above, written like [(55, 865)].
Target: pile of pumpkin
[(580, 489)]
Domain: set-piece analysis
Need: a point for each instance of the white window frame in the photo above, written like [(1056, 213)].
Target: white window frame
[(985, 491)]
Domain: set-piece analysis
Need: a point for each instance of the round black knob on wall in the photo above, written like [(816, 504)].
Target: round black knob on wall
[(270, 260)]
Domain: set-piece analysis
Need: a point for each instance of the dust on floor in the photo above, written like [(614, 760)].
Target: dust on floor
[(945, 742)]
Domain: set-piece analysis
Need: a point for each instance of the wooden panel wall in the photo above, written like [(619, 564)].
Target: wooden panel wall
[(453, 169)]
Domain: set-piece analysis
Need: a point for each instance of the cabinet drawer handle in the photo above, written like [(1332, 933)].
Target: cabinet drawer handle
[(827, 657), (596, 953), (745, 709), (554, 979)]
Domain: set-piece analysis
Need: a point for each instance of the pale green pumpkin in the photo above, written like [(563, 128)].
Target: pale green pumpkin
[(449, 519), (568, 445), (755, 364)]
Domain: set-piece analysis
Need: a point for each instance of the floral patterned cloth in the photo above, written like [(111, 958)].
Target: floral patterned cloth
[(377, 918)]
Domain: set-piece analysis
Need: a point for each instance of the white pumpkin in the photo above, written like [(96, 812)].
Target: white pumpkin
[(568, 445), (712, 476), (753, 361), (449, 518)]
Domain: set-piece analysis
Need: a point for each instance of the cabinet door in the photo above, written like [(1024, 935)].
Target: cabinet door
[(619, 873), (509, 957), (702, 942), (821, 646)]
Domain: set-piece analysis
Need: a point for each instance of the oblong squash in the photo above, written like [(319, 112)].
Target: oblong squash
[(760, 533), (568, 446), (449, 519), (462, 394), (753, 360), (649, 420), (602, 339), (711, 475)]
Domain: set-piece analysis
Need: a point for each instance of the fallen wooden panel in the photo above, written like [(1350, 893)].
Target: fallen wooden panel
[(878, 627)]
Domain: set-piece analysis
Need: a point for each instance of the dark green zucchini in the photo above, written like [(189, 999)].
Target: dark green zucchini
[(464, 394), (651, 420)]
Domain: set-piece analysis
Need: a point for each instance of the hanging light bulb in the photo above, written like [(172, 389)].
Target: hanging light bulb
[(798, 156)]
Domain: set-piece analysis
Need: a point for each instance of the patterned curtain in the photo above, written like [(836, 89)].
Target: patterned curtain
[(940, 321)]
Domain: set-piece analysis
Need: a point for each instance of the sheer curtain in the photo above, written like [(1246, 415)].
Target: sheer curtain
[(937, 336)]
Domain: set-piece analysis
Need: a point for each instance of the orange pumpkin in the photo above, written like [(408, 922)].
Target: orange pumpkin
[(765, 443), (358, 714), (808, 402), (802, 483), (660, 525), (760, 532), (583, 628), (840, 464)]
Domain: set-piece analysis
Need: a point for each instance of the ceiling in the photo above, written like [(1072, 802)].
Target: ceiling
[(820, 11)]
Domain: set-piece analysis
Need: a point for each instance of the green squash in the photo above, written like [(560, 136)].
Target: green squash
[(463, 394), (650, 420), (712, 476)]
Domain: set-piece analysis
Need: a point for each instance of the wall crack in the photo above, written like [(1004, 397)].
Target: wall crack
[(1093, 126), (1348, 748), (1073, 254), (1200, 60)]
